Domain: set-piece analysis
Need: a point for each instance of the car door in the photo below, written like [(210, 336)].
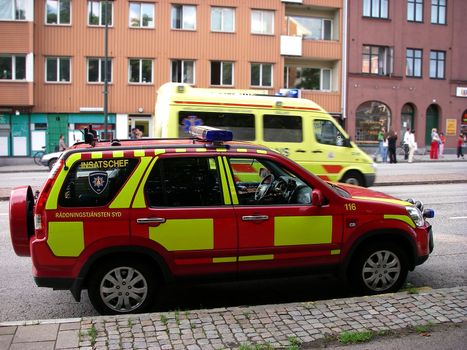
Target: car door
[(181, 211), (279, 227)]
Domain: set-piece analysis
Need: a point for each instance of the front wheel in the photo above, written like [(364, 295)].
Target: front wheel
[(122, 287), (380, 268), (353, 178)]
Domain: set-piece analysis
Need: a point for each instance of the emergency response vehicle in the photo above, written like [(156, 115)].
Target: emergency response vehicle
[(122, 218), (298, 128)]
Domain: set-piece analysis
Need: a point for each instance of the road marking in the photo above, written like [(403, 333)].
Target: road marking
[(458, 217)]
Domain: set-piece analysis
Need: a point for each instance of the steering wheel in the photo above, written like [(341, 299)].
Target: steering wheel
[(264, 187)]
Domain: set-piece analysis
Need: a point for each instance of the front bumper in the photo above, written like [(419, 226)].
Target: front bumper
[(369, 179)]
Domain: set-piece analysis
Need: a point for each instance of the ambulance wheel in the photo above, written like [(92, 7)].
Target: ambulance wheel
[(379, 268), (122, 287), (353, 178)]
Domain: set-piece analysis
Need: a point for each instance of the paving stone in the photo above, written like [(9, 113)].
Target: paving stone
[(36, 333)]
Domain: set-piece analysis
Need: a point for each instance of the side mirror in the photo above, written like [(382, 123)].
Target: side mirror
[(316, 198)]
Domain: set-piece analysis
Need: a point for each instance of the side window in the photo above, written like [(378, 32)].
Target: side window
[(241, 125), (263, 182), (184, 181), (282, 128), (94, 183), (327, 133)]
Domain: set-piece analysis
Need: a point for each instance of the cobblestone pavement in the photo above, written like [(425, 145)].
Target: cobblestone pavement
[(277, 326)]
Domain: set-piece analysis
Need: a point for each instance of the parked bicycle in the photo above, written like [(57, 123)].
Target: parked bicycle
[(38, 156)]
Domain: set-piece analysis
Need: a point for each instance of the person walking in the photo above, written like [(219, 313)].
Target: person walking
[(460, 141), (61, 143), (392, 139), (381, 136), (434, 144), (405, 144), (442, 142), (412, 145), (384, 155)]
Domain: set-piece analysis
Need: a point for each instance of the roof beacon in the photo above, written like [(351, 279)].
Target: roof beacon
[(210, 134)]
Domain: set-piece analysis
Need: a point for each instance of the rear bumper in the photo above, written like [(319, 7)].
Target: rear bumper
[(54, 282)]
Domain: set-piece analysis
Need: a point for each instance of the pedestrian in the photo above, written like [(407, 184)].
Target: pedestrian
[(138, 133), (61, 143), (460, 141), (412, 145), (384, 156), (442, 142), (405, 144), (392, 139), (381, 135), (434, 144)]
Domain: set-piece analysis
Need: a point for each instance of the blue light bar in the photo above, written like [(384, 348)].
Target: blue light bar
[(207, 133)]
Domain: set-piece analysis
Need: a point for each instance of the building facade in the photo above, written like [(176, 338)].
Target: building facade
[(406, 68), (52, 59)]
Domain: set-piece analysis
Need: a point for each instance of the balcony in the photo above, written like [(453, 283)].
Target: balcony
[(16, 94), (291, 45), (17, 37), (330, 101), (322, 49)]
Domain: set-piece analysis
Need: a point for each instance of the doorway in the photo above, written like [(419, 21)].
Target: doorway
[(144, 124), (432, 121)]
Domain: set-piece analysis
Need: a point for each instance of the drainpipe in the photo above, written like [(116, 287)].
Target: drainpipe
[(344, 62)]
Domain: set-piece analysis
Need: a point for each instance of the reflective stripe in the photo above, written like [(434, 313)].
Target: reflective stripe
[(140, 200), (256, 257), (403, 218), (384, 200), (260, 151), (180, 150), (335, 252), (96, 155), (224, 183), (139, 153), (242, 150), (66, 238), (299, 230), (221, 150), (224, 260), (126, 194), (159, 151), (201, 150), (233, 191), (117, 154), (57, 186), (192, 234)]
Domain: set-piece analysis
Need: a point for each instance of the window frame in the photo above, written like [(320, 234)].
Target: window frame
[(261, 70), (100, 73), (59, 4), (263, 30), (222, 19), (182, 22), (417, 9), (384, 52), (14, 67), (321, 75), (436, 4), (140, 71), (413, 59), (436, 62), (371, 5), (141, 4), (182, 70), (18, 13), (58, 59), (101, 4), (221, 73), (322, 21)]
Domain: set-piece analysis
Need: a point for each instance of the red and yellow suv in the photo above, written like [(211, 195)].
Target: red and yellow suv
[(121, 218)]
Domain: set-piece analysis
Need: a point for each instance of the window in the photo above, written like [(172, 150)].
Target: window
[(96, 69), (98, 13), (14, 9), (309, 28), (377, 60), (308, 78), (261, 74), (262, 22), (57, 69), (141, 15), (12, 67), (58, 11), (222, 19), (241, 125), (184, 181), (221, 73), (375, 8), (371, 116), (327, 133), (140, 71), (183, 71), (414, 63), (184, 17), (437, 63), (438, 11), (415, 10), (93, 183), (282, 128)]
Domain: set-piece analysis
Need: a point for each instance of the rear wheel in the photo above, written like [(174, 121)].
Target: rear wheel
[(122, 287), (379, 268), (353, 178)]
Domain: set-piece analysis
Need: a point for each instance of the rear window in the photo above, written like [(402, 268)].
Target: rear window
[(94, 183)]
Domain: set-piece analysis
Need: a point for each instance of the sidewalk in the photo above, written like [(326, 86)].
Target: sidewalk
[(278, 326)]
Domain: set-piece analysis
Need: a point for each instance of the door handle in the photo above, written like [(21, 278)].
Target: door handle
[(150, 220), (255, 217), (318, 151), (300, 151)]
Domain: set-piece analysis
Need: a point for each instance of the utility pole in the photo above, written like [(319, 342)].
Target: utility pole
[(106, 58)]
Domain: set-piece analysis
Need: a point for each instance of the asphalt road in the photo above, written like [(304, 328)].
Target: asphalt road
[(447, 267)]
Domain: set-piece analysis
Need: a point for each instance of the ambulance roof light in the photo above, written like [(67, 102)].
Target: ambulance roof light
[(210, 134)]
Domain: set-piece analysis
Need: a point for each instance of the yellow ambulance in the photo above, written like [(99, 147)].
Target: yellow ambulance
[(298, 128)]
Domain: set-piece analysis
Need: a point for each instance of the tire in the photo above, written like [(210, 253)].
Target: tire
[(122, 287), (379, 268), (52, 163), (353, 178)]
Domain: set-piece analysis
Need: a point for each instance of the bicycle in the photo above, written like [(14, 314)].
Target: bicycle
[(38, 156)]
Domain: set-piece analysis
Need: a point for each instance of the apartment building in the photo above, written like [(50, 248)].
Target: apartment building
[(52, 59), (406, 68)]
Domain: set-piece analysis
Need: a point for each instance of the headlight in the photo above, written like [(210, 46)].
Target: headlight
[(415, 215)]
